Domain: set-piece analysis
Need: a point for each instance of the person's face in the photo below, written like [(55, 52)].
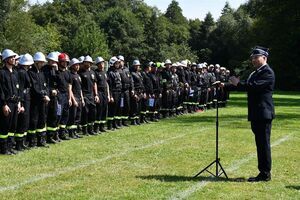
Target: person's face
[(258, 61), (52, 63), (101, 66), (76, 67), (153, 69), (11, 61), (63, 64), (122, 63), (87, 65), (173, 69), (39, 64)]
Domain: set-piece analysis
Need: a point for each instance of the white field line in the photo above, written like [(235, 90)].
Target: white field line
[(91, 162), (234, 166)]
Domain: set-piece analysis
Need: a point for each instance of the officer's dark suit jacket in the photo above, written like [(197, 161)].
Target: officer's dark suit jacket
[(259, 87)]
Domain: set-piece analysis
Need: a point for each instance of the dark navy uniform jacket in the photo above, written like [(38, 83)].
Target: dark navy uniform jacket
[(260, 87)]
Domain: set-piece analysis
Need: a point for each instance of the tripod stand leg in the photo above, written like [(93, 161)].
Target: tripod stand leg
[(223, 170), (205, 169)]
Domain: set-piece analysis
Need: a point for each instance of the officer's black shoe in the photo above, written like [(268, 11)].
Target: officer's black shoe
[(56, 137), (260, 177), (119, 123), (63, 136), (114, 124), (110, 125), (50, 139)]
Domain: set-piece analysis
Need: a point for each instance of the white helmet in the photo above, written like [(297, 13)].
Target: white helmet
[(217, 65), (17, 57), (39, 56), (26, 60), (120, 57), (99, 60), (7, 53), (184, 63), (136, 62), (113, 60), (168, 61), (81, 59), (74, 61), (88, 59), (53, 56)]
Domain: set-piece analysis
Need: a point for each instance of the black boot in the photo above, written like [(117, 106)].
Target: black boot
[(124, 122), (91, 130), (10, 145), (110, 125), (31, 140), (114, 124), (71, 134), (56, 137), (25, 143), (85, 131), (96, 128), (19, 142), (63, 134), (101, 128), (41, 140), (119, 123), (137, 121), (3, 147), (50, 139)]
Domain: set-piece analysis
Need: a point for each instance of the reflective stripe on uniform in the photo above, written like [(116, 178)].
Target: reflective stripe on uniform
[(3, 136), (51, 128), (72, 127), (10, 134), (40, 130), (19, 135), (31, 131)]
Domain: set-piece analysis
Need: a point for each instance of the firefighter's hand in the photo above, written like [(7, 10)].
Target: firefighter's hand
[(54, 92), (160, 95), (46, 99), (97, 100), (111, 100), (83, 103), (21, 110), (70, 102), (75, 103), (209, 89), (132, 92), (6, 110)]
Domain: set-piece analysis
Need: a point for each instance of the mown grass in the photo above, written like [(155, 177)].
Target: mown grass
[(159, 160)]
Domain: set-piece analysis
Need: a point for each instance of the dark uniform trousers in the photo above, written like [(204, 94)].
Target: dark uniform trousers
[(63, 116), (23, 120), (114, 110), (102, 108), (8, 126), (52, 118), (262, 132), (126, 105), (88, 113), (74, 117)]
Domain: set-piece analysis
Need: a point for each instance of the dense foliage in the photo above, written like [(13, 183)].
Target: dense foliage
[(136, 30)]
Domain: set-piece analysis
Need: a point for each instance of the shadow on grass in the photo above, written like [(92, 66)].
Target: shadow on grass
[(294, 187), (175, 178), (242, 102)]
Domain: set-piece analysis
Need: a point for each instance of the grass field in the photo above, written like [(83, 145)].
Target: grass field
[(158, 160)]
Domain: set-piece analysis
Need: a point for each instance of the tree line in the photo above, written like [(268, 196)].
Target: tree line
[(136, 30)]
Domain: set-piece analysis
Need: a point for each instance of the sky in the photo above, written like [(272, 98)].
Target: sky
[(191, 8)]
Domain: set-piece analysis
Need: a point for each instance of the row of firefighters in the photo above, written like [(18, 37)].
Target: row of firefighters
[(46, 99)]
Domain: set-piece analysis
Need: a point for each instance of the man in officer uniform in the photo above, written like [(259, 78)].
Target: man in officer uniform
[(166, 85), (145, 109), (154, 116), (259, 87)]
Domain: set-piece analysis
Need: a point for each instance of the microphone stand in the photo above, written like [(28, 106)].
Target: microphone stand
[(217, 159)]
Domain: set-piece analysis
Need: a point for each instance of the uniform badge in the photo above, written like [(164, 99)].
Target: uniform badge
[(17, 86), (45, 84), (79, 78), (93, 76)]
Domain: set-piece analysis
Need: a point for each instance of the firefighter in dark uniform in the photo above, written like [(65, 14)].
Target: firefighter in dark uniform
[(115, 87), (127, 91), (64, 95), (39, 99), (77, 100), (166, 93), (194, 88), (103, 92), (90, 94), (138, 93), (50, 71), (175, 90), (186, 102), (182, 85), (26, 61), (10, 102), (154, 114), (147, 82)]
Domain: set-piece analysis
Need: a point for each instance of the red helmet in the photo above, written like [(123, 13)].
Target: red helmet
[(63, 57)]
